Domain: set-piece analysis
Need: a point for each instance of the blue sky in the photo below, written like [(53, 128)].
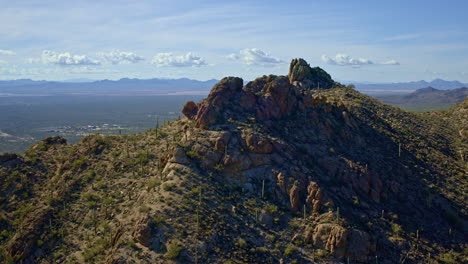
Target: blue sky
[(375, 41)]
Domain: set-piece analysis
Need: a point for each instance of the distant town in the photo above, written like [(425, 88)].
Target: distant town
[(82, 130)]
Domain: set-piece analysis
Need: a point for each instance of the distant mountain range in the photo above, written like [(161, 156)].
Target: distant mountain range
[(127, 86), (405, 87), (123, 86), (427, 98)]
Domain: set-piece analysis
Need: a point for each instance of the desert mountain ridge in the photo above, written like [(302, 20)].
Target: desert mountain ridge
[(428, 98), (284, 169)]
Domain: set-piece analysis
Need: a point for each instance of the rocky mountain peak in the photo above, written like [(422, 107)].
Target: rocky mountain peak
[(265, 98)]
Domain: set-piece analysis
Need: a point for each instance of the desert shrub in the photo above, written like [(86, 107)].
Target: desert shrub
[(79, 162), (98, 248), (241, 243), (396, 228), (169, 187), (173, 250), (219, 167), (142, 158), (271, 208), (321, 254), (449, 258), (158, 220), (355, 201), (152, 183), (289, 250), (193, 154)]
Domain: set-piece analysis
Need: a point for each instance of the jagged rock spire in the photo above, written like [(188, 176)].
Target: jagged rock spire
[(307, 77), (299, 70)]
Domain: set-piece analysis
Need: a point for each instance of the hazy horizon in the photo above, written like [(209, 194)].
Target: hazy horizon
[(86, 80)]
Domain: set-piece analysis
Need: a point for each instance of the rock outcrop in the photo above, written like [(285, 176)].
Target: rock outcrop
[(265, 98), (314, 197), (353, 244), (305, 77)]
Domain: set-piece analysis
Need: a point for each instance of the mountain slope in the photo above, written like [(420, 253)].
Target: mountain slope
[(286, 169)]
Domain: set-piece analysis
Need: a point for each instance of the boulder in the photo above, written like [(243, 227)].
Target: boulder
[(142, 231), (190, 109)]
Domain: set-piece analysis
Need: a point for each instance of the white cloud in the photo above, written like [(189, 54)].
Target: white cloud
[(65, 59), (233, 56), (3, 62), (170, 60), (254, 56), (346, 60), (120, 57), (390, 62), (7, 52)]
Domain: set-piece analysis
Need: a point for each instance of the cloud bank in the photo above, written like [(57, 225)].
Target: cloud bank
[(66, 59), (171, 60), (346, 60)]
